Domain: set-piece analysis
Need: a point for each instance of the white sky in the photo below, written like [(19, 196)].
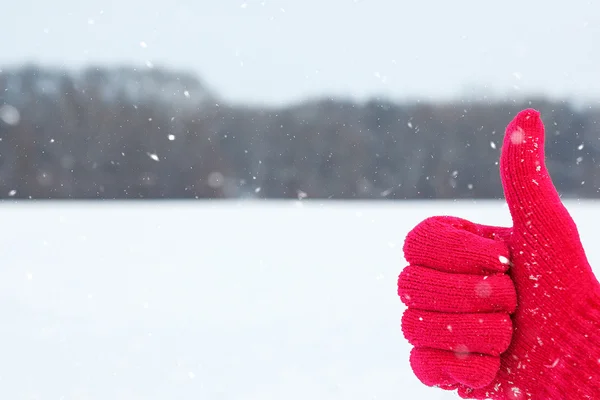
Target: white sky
[(278, 51)]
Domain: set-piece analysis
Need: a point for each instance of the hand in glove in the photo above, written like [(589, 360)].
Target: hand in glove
[(505, 313)]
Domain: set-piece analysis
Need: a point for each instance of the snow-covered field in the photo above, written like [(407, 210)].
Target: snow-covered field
[(202, 300)]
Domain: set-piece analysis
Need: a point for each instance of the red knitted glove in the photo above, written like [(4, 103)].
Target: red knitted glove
[(460, 291)]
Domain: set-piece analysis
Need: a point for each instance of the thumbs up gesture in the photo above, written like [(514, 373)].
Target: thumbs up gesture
[(505, 313)]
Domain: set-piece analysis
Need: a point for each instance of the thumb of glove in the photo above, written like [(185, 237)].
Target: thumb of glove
[(534, 203)]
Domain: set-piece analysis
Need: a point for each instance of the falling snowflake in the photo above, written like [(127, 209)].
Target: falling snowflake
[(153, 156), (9, 115)]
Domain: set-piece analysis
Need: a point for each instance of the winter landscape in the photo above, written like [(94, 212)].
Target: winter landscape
[(215, 300), (207, 200)]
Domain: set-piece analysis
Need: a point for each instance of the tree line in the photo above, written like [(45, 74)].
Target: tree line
[(118, 133)]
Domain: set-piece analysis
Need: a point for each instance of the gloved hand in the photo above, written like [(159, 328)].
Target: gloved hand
[(505, 313)]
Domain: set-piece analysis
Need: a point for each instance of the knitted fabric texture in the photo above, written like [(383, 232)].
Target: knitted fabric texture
[(505, 313)]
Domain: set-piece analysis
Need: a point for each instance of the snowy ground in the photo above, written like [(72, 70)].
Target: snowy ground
[(203, 300)]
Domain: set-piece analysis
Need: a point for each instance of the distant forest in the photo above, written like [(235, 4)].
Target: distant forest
[(117, 133)]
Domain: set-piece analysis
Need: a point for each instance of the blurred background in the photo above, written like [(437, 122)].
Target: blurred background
[(337, 99)]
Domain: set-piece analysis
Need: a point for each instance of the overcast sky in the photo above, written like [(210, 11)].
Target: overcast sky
[(277, 51)]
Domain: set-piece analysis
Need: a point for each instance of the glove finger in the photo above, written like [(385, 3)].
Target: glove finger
[(538, 214), (427, 289), (455, 245), (531, 196), (488, 333), (448, 370)]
